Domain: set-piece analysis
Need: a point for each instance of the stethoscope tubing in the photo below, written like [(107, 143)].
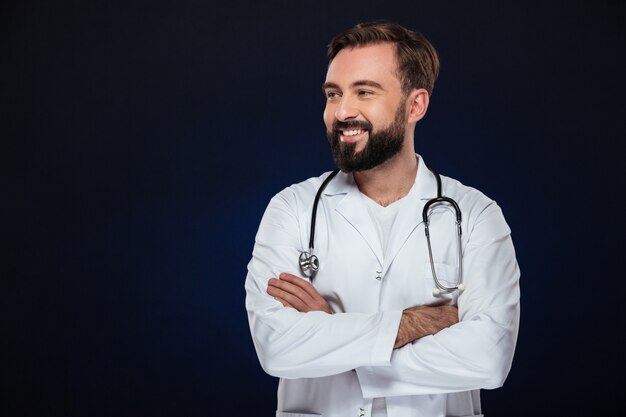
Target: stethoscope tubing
[(309, 263), (440, 288), (315, 202)]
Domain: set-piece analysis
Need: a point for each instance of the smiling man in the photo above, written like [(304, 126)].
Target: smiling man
[(363, 294), (355, 146)]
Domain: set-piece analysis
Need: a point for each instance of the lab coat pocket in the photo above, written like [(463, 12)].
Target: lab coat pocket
[(283, 414), (447, 276)]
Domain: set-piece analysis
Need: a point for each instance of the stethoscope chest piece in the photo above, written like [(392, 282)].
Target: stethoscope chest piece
[(309, 264)]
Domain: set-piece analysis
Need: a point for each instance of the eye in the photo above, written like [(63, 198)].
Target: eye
[(330, 95), (365, 93)]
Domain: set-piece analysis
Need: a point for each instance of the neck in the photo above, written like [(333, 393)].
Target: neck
[(391, 180)]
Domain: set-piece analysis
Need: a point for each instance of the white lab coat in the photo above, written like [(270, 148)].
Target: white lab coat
[(334, 365)]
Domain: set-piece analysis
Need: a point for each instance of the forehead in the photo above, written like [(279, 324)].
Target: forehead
[(376, 62)]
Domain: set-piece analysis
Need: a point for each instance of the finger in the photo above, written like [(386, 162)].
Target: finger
[(293, 288), (285, 303), (297, 287), (293, 301), (299, 305), (316, 302), (302, 283)]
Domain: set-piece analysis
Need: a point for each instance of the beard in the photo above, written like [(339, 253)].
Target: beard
[(381, 145)]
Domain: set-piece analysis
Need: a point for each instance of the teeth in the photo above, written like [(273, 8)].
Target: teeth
[(352, 132)]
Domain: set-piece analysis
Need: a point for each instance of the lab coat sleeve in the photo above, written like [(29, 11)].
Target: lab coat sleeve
[(291, 344), (478, 351)]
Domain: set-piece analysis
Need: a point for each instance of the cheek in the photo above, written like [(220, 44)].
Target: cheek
[(381, 115), (329, 117)]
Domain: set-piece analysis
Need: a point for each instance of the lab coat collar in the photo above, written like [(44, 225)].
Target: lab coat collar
[(353, 209)]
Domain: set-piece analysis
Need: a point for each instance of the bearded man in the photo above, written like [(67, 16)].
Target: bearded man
[(382, 288)]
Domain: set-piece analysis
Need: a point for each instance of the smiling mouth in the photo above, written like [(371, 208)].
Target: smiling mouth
[(351, 135)]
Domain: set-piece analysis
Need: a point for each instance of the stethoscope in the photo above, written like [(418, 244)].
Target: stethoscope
[(310, 264)]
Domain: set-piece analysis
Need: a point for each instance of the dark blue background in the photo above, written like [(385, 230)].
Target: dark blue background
[(142, 141)]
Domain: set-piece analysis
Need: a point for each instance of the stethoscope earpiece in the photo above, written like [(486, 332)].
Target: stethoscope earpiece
[(437, 292)]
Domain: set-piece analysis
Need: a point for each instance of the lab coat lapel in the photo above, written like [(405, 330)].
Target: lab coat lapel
[(410, 214), (353, 209)]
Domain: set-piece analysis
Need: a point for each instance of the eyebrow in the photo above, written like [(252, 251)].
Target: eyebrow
[(359, 83)]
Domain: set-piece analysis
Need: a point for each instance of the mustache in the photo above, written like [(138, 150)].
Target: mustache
[(352, 124)]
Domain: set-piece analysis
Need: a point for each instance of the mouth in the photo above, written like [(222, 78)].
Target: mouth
[(352, 135)]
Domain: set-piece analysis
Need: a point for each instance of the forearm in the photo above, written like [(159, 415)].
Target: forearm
[(291, 344), (420, 321), (469, 355), (475, 353)]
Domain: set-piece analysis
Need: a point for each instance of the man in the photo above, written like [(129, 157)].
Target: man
[(367, 335)]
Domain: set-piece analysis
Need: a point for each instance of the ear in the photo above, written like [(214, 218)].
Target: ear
[(418, 104)]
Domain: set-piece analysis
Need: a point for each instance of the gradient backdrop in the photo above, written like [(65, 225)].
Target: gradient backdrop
[(141, 142)]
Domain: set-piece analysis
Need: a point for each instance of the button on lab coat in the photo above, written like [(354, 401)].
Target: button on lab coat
[(335, 364)]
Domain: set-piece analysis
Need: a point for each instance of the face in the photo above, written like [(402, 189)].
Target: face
[(365, 115)]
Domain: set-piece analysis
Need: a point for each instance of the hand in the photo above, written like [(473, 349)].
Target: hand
[(293, 291), (420, 321)]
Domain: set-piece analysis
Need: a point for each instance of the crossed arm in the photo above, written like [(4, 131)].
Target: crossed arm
[(470, 348), (416, 322)]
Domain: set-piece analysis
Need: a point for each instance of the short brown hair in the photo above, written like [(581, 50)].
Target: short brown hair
[(418, 64)]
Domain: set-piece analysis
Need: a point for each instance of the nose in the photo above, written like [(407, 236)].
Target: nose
[(346, 109)]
